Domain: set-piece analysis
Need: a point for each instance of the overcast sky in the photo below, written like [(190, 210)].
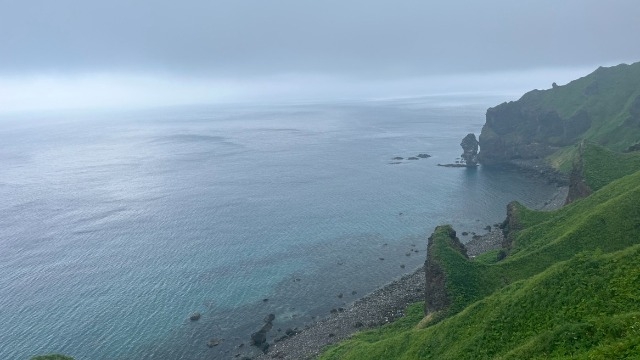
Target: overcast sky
[(66, 53)]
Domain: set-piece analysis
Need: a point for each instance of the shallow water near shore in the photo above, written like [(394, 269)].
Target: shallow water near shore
[(116, 227)]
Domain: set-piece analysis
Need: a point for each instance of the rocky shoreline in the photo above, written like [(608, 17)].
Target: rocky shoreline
[(378, 308), (381, 306)]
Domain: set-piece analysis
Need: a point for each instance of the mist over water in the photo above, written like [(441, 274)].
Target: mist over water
[(115, 227)]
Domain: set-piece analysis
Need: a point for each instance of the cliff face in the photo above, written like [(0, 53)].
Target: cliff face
[(511, 225), (603, 107), (518, 130), (578, 187)]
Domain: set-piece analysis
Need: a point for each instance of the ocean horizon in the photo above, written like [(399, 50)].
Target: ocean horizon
[(116, 227)]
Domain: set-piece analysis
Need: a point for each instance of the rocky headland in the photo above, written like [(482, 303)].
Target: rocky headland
[(539, 132)]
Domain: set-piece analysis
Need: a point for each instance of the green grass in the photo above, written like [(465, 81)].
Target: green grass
[(602, 107), (601, 166), (586, 306), (609, 108), (52, 357), (568, 290)]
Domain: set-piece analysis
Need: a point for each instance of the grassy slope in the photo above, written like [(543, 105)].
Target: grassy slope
[(608, 109), (552, 293), (601, 166), (556, 314)]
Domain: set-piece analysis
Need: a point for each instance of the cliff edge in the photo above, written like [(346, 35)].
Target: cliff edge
[(603, 107)]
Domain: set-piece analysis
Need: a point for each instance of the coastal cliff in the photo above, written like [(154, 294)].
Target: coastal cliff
[(564, 283), (603, 107)]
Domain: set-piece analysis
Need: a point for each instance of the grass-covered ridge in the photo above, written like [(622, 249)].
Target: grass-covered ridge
[(601, 165), (602, 107), (568, 289)]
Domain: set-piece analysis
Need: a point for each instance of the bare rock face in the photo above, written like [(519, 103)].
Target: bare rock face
[(510, 225), (470, 149)]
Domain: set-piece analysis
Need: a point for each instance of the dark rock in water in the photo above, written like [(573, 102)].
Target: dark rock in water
[(265, 300), (488, 227), (459, 165), (470, 149), (259, 338), (354, 292), (407, 254), (290, 332), (381, 258), (464, 233), (195, 316), (413, 158), (340, 296), (423, 156), (334, 311), (395, 163), (402, 266), (398, 158), (213, 342)]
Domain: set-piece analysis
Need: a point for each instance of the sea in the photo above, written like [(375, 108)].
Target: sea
[(117, 226)]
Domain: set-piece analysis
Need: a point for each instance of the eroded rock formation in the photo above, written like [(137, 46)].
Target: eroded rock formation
[(470, 149)]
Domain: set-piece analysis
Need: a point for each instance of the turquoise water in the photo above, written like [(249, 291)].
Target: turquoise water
[(115, 227)]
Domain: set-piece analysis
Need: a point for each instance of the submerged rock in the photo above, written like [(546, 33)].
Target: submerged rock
[(195, 316), (259, 338), (213, 342)]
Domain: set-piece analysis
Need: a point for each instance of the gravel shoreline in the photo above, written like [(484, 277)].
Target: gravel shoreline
[(378, 308), (381, 306)]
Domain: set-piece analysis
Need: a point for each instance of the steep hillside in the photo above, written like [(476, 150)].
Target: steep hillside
[(603, 107), (567, 288), (595, 166)]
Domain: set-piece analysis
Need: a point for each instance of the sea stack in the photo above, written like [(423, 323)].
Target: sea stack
[(470, 150)]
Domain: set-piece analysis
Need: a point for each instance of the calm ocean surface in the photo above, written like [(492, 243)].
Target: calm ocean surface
[(114, 228)]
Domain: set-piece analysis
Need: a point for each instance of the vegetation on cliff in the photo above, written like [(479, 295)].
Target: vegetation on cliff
[(568, 287), (603, 107)]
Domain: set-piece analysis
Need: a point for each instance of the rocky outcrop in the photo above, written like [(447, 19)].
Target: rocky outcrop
[(259, 338), (578, 187), (436, 294), (469, 149), (511, 225)]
